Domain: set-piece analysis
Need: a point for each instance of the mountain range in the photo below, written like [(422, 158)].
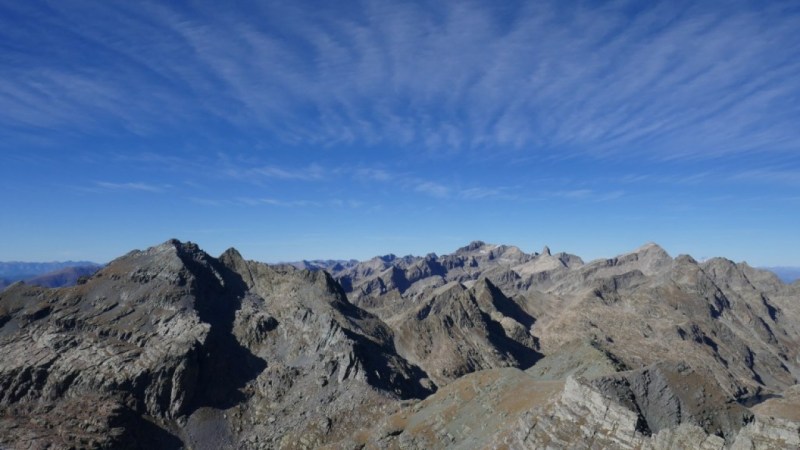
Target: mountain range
[(46, 274), (787, 274), (487, 347)]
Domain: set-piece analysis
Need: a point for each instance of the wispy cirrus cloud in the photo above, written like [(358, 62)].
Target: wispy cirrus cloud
[(668, 79), (373, 174), (478, 193), (438, 189), (276, 202), (136, 187), (764, 176), (222, 166), (285, 203), (781, 176), (433, 189), (313, 172)]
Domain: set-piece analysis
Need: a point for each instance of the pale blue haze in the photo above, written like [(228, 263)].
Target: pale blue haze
[(299, 130)]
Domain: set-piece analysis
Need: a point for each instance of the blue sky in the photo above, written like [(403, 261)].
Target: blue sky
[(296, 130)]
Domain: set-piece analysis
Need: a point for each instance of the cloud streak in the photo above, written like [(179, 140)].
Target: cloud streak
[(277, 202), (669, 81), (136, 187), (313, 172), (433, 189)]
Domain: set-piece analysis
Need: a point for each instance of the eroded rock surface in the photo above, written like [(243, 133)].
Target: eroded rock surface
[(489, 347), (172, 348)]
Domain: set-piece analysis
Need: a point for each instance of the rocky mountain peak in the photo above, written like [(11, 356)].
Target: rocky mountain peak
[(545, 251), (169, 338), (186, 249), (651, 248), (231, 254), (233, 261), (388, 258), (471, 247), (649, 259)]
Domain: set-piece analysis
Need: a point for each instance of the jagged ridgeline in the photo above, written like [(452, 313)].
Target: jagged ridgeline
[(489, 347)]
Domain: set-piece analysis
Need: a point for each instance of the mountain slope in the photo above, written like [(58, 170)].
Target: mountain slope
[(640, 307), (487, 347), (185, 349)]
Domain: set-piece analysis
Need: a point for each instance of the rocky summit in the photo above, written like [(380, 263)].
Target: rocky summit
[(487, 347)]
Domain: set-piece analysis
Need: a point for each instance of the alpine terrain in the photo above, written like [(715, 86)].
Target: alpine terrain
[(487, 347)]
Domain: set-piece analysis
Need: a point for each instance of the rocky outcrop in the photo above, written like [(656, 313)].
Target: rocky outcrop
[(176, 348), (642, 307), (331, 366), (459, 330), (367, 282), (776, 423), (667, 395), (576, 359), (133, 331), (691, 341), (506, 408), (479, 410)]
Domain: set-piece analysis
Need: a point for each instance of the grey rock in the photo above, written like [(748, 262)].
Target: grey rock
[(172, 348), (193, 351)]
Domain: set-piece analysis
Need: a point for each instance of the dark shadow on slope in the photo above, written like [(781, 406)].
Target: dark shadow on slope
[(620, 390), (756, 399), (142, 434), (525, 356), (668, 394), (771, 310), (509, 307), (380, 367), (346, 282), (398, 279), (224, 366), (382, 372)]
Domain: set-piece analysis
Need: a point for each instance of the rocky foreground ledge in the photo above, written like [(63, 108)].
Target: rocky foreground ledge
[(489, 347)]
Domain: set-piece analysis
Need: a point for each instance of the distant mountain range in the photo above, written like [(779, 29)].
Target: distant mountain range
[(45, 274), (786, 274)]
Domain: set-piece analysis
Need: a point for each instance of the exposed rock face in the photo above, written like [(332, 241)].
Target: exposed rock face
[(488, 347), (459, 330), (775, 425), (667, 395), (478, 410), (187, 350), (641, 307), (576, 359), (376, 282), (330, 365), (662, 407), (132, 332), (729, 325), (505, 408)]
